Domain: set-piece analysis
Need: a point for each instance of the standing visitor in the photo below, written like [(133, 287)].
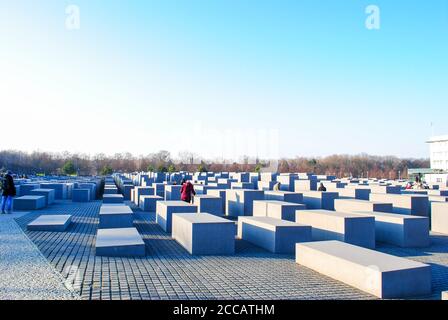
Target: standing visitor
[(186, 191), (322, 188), (9, 191), (276, 186)]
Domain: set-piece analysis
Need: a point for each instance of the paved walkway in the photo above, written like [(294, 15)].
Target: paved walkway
[(169, 272), (24, 272)]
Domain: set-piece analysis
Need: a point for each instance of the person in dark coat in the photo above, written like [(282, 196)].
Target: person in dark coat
[(322, 187), (186, 191), (9, 191)]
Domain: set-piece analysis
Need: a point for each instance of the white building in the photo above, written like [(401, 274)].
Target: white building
[(438, 150)]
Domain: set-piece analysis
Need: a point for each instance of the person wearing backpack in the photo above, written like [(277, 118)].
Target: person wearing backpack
[(8, 192), (187, 191)]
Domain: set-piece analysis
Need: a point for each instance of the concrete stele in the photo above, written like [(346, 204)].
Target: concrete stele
[(379, 274), (50, 223), (346, 227), (204, 233)]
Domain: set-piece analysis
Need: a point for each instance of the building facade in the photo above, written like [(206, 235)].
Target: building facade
[(438, 150)]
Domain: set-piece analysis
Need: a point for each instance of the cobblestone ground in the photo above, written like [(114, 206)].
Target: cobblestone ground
[(169, 272), (25, 274)]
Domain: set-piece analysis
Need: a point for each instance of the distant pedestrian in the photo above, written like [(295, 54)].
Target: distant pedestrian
[(9, 191), (322, 187), (276, 186), (187, 191)]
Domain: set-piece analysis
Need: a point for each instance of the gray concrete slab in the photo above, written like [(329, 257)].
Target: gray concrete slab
[(274, 235), (29, 203), (50, 223), (382, 275), (346, 227), (119, 242), (204, 233)]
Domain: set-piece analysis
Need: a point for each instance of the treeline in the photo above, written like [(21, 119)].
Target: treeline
[(66, 163), (363, 165)]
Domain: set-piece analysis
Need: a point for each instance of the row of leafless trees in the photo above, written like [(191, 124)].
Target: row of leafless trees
[(354, 165), (339, 165)]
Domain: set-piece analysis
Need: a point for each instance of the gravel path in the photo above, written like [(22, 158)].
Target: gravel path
[(25, 274)]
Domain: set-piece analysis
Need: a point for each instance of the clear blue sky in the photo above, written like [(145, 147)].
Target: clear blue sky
[(138, 76)]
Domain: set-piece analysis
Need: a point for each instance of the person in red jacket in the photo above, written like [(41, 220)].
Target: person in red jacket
[(186, 191)]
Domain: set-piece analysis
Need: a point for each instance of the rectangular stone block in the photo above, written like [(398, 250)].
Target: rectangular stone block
[(92, 187), (412, 191), (287, 181), (149, 203), (239, 202), (414, 204), (120, 242), (159, 189), (242, 185), (286, 196), (204, 234), (268, 176), (319, 200), (305, 185), (385, 189), (49, 195), (441, 192), (346, 227), (81, 195), (266, 185), (254, 178), (25, 189), (353, 205), (214, 186), (18, 192), (241, 176), (142, 191), (221, 193), (437, 199), (400, 229), (203, 189), (50, 223), (209, 204), (110, 190), (29, 203), (115, 217), (227, 182), (172, 192), (356, 193), (274, 235), (113, 198), (60, 189), (126, 190), (277, 209), (439, 217), (165, 210), (332, 185), (382, 275)]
